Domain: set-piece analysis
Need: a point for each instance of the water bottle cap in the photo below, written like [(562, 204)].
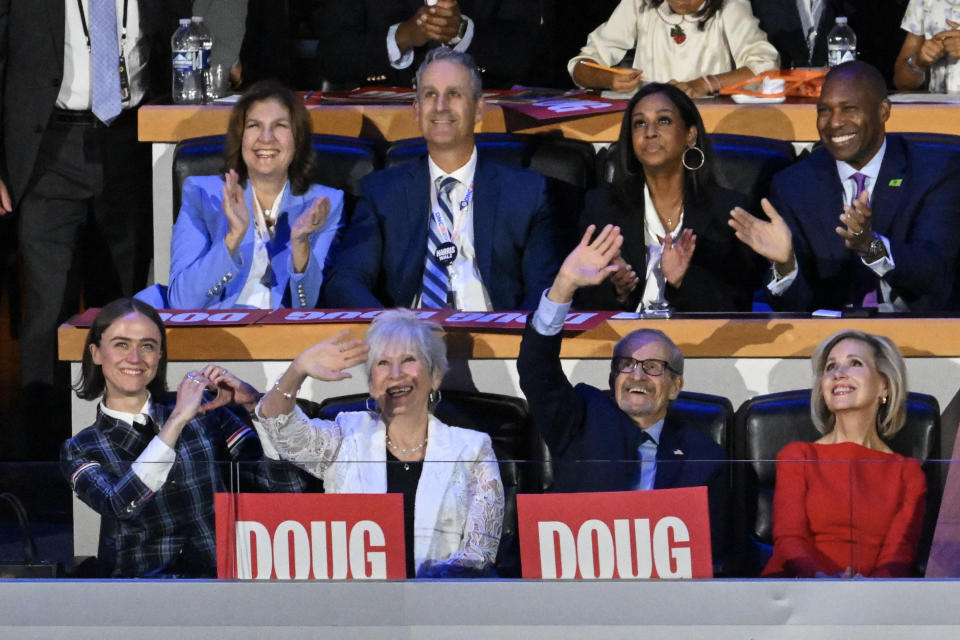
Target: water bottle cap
[(200, 18), (841, 19), (184, 21)]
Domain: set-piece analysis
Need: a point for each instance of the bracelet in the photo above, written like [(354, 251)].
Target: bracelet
[(912, 65), (706, 80), (276, 387)]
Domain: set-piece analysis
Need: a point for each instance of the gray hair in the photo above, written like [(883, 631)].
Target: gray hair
[(675, 359), (461, 58), (402, 328), (890, 416)]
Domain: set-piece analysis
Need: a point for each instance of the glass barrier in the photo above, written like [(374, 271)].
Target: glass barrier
[(554, 520)]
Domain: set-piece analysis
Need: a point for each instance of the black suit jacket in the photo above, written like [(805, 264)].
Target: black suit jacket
[(31, 70), (353, 43), (379, 261), (780, 19), (915, 203), (722, 275), (584, 424)]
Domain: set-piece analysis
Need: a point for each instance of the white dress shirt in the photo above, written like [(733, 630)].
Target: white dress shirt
[(464, 272), (256, 291), (76, 89), (154, 463), (653, 229)]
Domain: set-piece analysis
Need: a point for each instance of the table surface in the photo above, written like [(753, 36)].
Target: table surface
[(794, 121)]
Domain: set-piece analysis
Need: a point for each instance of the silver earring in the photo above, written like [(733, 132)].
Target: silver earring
[(434, 398), (367, 405), (703, 158)]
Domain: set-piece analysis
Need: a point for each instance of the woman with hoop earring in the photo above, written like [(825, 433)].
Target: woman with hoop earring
[(677, 245), (449, 478)]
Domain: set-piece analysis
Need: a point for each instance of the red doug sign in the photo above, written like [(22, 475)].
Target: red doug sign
[(629, 534), (310, 536)]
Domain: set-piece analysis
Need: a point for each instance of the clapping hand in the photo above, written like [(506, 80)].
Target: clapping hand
[(676, 256), (772, 239), (589, 263), (440, 22), (327, 359), (235, 210), (857, 231), (310, 220), (624, 279)]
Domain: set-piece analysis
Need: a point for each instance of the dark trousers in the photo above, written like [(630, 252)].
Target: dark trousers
[(85, 226)]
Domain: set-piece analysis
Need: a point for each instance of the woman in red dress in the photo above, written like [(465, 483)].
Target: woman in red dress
[(847, 505)]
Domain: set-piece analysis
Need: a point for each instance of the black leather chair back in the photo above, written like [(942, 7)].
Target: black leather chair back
[(567, 164), (743, 163), (506, 420), (767, 423), (711, 414), (341, 163)]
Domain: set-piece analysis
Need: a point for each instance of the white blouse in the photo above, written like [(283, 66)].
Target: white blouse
[(927, 18), (672, 47)]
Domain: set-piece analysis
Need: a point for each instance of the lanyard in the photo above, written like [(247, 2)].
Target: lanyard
[(86, 32), (447, 235)]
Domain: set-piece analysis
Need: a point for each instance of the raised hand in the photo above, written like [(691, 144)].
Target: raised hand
[(857, 229), (308, 222), (590, 262), (235, 210), (772, 239), (327, 359), (441, 22), (676, 256)]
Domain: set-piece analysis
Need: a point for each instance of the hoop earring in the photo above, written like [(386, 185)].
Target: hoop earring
[(374, 408), (703, 158)]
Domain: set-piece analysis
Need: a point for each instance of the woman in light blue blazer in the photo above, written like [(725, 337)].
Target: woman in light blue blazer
[(258, 236)]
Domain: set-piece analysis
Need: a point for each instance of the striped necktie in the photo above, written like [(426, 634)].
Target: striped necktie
[(105, 60), (436, 280)]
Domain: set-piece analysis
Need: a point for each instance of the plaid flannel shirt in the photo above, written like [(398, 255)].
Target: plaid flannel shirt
[(169, 532)]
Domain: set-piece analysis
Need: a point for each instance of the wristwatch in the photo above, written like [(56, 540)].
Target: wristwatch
[(876, 250), (455, 40), (912, 65)]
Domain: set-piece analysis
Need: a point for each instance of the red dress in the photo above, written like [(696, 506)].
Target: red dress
[(818, 526)]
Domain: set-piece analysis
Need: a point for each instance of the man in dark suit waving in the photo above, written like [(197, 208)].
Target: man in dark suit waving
[(451, 229), (868, 219), (608, 433)]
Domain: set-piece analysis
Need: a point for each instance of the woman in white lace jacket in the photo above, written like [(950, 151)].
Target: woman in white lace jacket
[(456, 511)]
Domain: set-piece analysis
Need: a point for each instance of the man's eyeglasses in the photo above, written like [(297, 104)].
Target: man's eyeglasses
[(650, 366)]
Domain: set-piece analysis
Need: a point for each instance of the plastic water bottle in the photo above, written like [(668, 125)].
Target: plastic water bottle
[(187, 77), (205, 40), (841, 43)]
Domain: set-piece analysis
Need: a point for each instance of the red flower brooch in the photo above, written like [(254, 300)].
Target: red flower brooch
[(677, 34)]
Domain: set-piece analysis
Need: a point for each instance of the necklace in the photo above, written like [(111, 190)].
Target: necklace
[(677, 33), (398, 449), (668, 227)]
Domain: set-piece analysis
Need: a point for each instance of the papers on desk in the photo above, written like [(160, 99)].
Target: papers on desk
[(925, 98)]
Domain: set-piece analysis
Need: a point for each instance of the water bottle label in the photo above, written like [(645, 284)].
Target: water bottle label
[(839, 55), (203, 60), (184, 60)]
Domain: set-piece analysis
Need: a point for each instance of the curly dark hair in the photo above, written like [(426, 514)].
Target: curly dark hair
[(303, 165), (628, 178), (90, 384)]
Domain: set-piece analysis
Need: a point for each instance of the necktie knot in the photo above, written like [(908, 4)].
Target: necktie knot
[(445, 185), (861, 182), (646, 437)]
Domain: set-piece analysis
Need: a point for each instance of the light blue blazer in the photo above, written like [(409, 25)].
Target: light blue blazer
[(203, 274)]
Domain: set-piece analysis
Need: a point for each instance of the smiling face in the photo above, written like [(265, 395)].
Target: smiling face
[(128, 354), (850, 379), (268, 145), (643, 397), (850, 119), (659, 135), (400, 382), (445, 107)]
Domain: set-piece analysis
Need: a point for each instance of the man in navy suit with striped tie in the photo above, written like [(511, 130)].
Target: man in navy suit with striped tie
[(450, 230)]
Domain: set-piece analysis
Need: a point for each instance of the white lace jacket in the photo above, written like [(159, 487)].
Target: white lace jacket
[(458, 513)]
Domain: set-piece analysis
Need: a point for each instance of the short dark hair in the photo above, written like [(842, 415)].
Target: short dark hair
[(628, 178), (869, 79), (304, 161), (710, 7), (461, 58), (90, 384)]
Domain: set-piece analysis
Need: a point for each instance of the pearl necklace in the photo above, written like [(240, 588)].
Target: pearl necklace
[(402, 450)]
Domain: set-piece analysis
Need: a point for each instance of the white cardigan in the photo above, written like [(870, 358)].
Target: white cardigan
[(458, 513)]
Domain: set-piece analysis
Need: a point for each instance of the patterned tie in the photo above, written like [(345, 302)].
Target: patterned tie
[(861, 181), (105, 60), (436, 281)]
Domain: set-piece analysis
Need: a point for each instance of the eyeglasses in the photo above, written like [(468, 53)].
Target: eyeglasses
[(650, 366)]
